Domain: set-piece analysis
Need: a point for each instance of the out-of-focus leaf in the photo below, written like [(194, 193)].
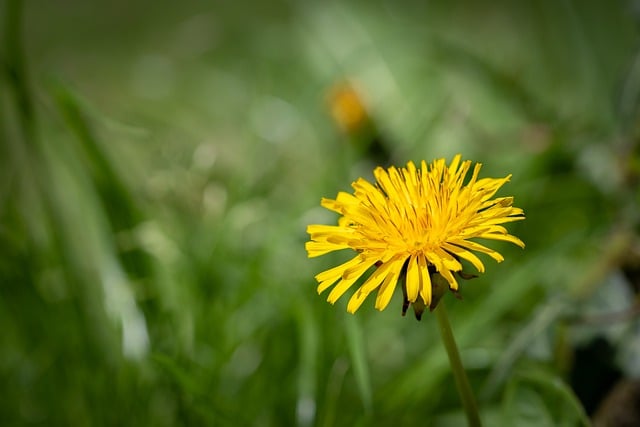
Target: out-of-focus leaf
[(539, 398), (359, 361)]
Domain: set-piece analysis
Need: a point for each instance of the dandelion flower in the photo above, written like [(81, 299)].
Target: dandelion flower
[(414, 226), (348, 109)]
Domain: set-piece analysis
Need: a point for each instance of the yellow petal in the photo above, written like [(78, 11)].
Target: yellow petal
[(453, 284), (468, 244), (469, 256), (323, 232), (349, 278), (453, 166), (388, 286), (503, 237), (448, 261), (371, 284), (315, 249), (425, 280), (329, 277), (413, 279), (501, 220)]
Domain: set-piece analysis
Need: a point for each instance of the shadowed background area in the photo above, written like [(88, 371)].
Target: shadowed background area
[(159, 164)]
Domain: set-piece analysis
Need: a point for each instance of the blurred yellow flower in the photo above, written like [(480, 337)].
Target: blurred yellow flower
[(348, 109), (412, 222)]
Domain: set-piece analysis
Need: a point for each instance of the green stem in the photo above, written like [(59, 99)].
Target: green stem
[(459, 374)]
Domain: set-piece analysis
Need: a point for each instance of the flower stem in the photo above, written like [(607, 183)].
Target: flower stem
[(459, 374)]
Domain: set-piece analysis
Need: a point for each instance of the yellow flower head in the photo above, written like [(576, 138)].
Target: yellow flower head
[(412, 222), (348, 109)]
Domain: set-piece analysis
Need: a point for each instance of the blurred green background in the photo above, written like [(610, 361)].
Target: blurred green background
[(159, 163)]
